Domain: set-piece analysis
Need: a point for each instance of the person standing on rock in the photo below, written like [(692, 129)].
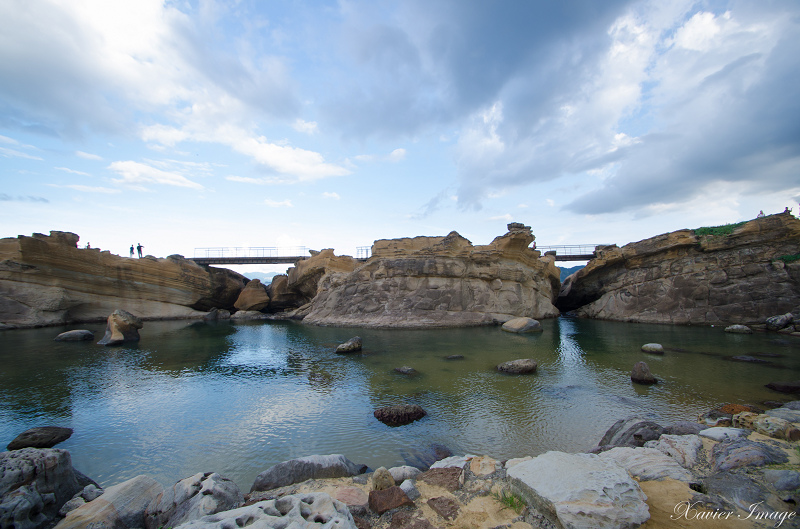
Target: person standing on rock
[(131, 250), (139, 248)]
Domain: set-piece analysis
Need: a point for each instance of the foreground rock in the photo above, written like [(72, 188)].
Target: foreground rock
[(40, 437), (439, 282), (253, 297), (518, 367), (684, 278), (310, 467), (34, 485), (192, 498), (48, 280), (580, 490), (122, 327), (641, 374), (400, 414), (121, 505)]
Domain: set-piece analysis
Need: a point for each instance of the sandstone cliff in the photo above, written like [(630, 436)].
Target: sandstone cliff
[(47, 280), (439, 282), (685, 278)]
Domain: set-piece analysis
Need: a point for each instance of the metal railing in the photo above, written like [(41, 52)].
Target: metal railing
[(569, 249), (251, 251), (363, 252)]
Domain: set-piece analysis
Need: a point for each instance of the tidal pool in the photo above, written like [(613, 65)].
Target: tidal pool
[(238, 398)]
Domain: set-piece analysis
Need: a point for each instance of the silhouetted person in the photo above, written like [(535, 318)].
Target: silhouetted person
[(131, 250), (760, 214), (139, 248)]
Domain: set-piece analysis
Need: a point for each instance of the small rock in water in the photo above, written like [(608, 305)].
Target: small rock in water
[(399, 415), (791, 387), (655, 348), (518, 367), (454, 357), (641, 374), (739, 329), (406, 370), (40, 437), (79, 335), (522, 325), (122, 326), (350, 346)]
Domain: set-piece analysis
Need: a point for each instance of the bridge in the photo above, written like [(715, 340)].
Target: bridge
[(240, 255)]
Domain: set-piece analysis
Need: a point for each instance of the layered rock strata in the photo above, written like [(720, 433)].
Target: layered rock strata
[(683, 278), (48, 280), (438, 282)]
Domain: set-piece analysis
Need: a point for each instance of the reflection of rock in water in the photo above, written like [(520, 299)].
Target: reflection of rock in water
[(423, 458)]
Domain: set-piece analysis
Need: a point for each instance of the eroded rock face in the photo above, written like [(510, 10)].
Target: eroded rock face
[(303, 468), (48, 280), (122, 327), (440, 282), (121, 505), (253, 297), (683, 278), (40, 437), (191, 499)]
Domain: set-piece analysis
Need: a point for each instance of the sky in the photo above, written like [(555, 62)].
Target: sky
[(191, 124)]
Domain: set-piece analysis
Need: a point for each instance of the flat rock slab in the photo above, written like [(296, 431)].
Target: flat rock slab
[(790, 387), (484, 466), (580, 490), (303, 468), (522, 325), (356, 499), (121, 505), (647, 464), (400, 414), (444, 507), (307, 511), (632, 431), (723, 433), (40, 437), (381, 501), (448, 478), (785, 414), (745, 453), (80, 335), (687, 450), (408, 520)]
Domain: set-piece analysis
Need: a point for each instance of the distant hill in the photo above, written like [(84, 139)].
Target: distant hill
[(265, 278), (569, 271)]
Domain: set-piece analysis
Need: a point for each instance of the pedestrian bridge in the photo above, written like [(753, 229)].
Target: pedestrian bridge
[(240, 255)]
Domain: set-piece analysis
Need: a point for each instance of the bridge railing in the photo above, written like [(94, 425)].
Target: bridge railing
[(363, 252), (569, 249), (252, 251)]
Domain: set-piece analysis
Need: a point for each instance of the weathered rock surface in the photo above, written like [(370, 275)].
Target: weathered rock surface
[(518, 367), (122, 327), (253, 297), (647, 464), (301, 511), (580, 490), (791, 387), (381, 501), (641, 374), (739, 329), (303, 468), (352, 345), (738, 453), (522, 325), (450, 478), (192, 498), (78, 335), (776, 323), (721, 433), (400, 414), (444, 507), (47, 280), (632, 432), (687, 450), (400, 474), (34, 485), (120, 506), (683, 278), (655, 348), (40, 437), (382, 479), (439, 282)]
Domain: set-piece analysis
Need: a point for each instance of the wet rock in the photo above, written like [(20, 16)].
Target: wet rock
[(750, 359), (406, 370), (776, 323), (352, 345), (314, 509), (655, 348), (739, 329), (687, 450), (382, 479), (381, 501), (424, 458), (716, 418), (522, 325), (732, 408), (722, 433), (216, 314), (192, 498), (34, 485), (246, 315), (400, 414), (40, 437), (647, 464), (580, 490), (518, 367), (444, 507), (121, 505), (448, 478), (739, 453), (641, 374), (80, 335), (454, 357), (632, 432), (121, 326), (745, 419), (309, 467), (790, 387)]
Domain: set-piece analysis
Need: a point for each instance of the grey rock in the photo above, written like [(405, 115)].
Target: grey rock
[(350, 346), (454, 357), (794, 405), (522, 325), (192, 498), (655, 348), (406, 370), (244, 315), (580, 490), (34, 485), (776, 323), (401, 474), (461, 462), (740, 453), (641, 374), (791, 387), (782, 479), (687, 450), (298, 511), (647, 464), (739, 329), (79, 335), (120, 506), (632, 431), (723, 433), (410, 489), (423, 458), (40, 437), (684, 428), (785, 413), (518, 367), (309, 467), (736, 488)]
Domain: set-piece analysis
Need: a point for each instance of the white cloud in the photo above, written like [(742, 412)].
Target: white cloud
[(246, 179), (550, 202), (134, 173), (89, 189), (87, 156), (699, 32), (507, 217), (397, 155), (332, 195), (393, 157), (307, 127), (73, 171), (276, 204), (522, 206), (13, 153)]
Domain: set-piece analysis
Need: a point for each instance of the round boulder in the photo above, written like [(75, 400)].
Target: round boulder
[(739, 329), (400, 414), (522, 325), (518, 367), (641, 374), (655, 348)]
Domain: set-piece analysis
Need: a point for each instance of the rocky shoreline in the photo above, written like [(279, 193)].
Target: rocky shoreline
[(736, 467)]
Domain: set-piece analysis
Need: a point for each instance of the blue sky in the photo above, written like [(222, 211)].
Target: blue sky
[(182, 124)]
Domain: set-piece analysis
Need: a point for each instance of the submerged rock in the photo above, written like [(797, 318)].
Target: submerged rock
[(633, 432), (522, 325), (791, 388), (518, 367), (79, 335), (655, 348), (641, 374), (350, 346), (400, 414)]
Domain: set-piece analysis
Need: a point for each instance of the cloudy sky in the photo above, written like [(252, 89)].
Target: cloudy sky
[(187, 124)]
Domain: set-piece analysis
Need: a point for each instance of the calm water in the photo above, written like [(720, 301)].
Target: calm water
[(238, 398)]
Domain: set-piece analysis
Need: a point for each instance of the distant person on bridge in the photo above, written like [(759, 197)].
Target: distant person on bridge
[(131, 250), (139, 248)]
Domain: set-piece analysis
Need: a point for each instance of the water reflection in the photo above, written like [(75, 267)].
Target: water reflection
[(237, 398)]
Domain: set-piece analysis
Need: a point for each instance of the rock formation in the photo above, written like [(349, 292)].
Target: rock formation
[(48, 280), (121, 326), (432, 282), (253, 297), (681, 277)]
